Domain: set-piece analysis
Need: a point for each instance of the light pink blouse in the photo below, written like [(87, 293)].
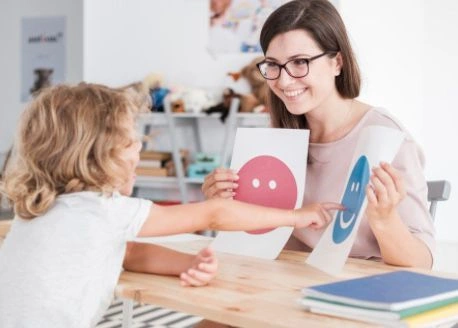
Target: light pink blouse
[(326, 177)]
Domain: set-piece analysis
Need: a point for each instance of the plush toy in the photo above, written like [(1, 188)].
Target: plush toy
[(255, 101), (224, 106), (158, 92), (190, 100), (177, 106), (249, 86)]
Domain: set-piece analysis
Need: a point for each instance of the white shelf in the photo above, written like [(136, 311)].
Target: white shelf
[(160, 118), (175, 120), (151, 182)]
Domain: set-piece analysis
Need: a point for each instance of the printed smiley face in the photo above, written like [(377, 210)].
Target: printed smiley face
[(353, 199), (266, 180)]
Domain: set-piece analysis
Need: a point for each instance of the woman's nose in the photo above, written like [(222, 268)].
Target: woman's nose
[(285, 78)]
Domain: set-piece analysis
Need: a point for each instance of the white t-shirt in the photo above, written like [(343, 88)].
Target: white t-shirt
[(60, 269)]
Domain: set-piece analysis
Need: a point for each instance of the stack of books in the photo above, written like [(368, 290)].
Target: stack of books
[(394, 299), (152, 163)]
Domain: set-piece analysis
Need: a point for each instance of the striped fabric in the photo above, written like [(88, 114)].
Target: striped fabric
[(147, 316)]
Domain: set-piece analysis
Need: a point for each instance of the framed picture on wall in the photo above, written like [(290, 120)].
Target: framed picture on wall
[(42, 53), (235, 25)]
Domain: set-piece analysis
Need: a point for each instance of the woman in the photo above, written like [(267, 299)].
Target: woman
[(314, 80)]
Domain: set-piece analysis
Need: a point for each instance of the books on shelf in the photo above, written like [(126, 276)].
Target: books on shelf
[(398, 298), (152, 163), (155, 155), (151, 171)]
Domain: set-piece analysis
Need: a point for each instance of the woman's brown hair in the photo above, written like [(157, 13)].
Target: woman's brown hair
[(69, 140), (320, 19)]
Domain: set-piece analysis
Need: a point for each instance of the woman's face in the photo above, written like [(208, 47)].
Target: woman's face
[(131, 157), (301, 95)]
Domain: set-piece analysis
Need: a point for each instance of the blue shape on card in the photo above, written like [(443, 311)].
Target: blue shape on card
[(352, 200)]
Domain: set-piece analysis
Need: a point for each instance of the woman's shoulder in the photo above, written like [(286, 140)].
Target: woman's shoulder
[(382, 117)]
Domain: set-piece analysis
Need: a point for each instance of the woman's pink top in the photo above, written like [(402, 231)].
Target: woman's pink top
[(326, 177)]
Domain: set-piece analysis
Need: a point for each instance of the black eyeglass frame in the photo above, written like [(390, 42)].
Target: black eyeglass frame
[(307, 60)]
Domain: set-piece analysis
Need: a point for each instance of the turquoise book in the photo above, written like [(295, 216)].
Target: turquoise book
[(393, 291)]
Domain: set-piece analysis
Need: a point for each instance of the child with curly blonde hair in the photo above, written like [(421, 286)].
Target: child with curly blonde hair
[(72, 170)]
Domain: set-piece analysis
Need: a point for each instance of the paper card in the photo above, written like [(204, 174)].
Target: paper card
[(375, 144), (271, 164)]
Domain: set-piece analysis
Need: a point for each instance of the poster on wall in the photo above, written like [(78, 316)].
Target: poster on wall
[(43, 53), (235, 25)]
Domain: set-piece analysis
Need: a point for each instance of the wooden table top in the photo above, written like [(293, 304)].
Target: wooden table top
[(248, 292)]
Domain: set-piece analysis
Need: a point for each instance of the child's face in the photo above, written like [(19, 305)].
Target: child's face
[(131, 155)]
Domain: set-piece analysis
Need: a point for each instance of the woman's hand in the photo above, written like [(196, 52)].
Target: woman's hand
[(220, 183), (202, 270), (316, 215), (384, 193)]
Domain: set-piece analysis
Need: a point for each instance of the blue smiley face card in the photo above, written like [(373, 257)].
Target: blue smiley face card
[(375, 144)]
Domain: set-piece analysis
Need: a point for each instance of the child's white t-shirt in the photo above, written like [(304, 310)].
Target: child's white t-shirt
[(61, 269)]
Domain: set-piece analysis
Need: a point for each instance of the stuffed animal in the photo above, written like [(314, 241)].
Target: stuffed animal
[(224, 106), (154, 83), (249, 86), (190, 100), (255, 101)]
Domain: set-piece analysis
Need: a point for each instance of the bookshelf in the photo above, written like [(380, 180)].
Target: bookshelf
[(173, 122)]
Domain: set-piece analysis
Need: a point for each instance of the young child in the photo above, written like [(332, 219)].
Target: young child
[(72, 171)]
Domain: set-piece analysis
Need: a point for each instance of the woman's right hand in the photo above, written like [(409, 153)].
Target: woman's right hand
[(220, 183)]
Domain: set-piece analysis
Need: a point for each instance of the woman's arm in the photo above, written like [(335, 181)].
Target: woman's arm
[(398, 246)]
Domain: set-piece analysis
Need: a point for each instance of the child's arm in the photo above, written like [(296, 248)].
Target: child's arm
[(194, 270), (225, 214)]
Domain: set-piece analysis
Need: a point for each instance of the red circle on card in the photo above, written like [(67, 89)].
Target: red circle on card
[(267, 181)]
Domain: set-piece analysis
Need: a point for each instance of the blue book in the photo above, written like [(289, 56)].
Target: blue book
[(394, 291)]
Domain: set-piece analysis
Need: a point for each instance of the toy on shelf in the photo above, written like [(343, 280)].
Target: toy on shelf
[(203, 165), (252, 100), (256, 100), (154, 83), (192, 100), (223, 107)]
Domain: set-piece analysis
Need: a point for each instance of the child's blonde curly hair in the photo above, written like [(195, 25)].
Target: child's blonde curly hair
[(69, 140)]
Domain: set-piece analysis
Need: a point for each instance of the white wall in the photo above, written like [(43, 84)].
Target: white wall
[(388, 39), (11, 12), (441, 106), (126, 40), (407, 53)]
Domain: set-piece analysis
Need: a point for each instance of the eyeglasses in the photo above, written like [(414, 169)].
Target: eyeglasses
[(297, 67)]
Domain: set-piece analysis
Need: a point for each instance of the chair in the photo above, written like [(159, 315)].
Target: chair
[(438, 190)]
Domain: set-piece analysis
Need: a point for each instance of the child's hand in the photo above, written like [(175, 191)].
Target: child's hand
[(384, 193), (315, 216), (202, 270), (220, 183)]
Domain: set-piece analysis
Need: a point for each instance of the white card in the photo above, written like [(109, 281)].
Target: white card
[(375, 144), (271, 164)]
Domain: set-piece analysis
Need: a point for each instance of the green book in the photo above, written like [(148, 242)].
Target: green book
[(334, 308)]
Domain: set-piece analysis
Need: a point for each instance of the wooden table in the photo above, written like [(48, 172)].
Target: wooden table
[(248, 292)]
